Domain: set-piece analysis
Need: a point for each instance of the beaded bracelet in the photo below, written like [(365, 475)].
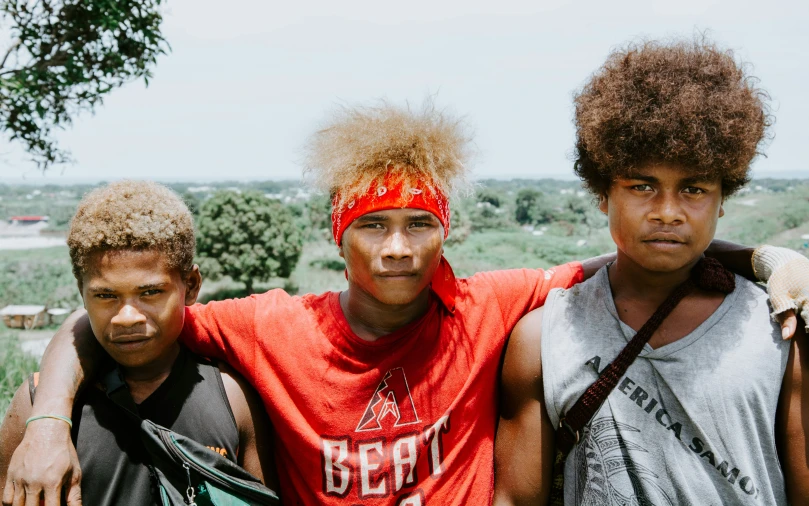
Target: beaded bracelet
[(56, 417)]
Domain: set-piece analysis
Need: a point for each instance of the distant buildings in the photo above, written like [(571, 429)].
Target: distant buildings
[(27, 220), (31, 316)]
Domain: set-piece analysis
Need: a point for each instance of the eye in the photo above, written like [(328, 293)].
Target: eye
[(153, 291), (373, 226), (642, 187), (693, 190), (107, 296), (420, 224)]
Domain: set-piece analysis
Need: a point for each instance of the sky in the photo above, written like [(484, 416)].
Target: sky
[(247, 81)]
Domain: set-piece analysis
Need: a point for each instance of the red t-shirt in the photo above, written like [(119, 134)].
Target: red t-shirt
[(408, 419)]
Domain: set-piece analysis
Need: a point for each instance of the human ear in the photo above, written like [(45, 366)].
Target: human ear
[(722, 208), (81, 292), (193, 283), (603, 205)]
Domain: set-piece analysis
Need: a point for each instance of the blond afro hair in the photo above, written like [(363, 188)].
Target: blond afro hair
[(359, 144), (132, 215)]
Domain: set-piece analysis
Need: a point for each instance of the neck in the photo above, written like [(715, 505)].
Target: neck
[(628, 279), (143, 380), (371, 319)]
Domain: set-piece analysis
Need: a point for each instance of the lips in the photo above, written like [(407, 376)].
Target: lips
[(396, 274), (665, 237), (129, 342)]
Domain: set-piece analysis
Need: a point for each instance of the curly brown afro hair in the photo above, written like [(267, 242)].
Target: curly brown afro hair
[(689, 103), (132, 215)]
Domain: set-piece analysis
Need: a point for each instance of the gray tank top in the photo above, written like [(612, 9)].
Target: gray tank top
[(690, 423)]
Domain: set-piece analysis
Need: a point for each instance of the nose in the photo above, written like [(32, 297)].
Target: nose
[(397, 246), (128, 316), (666, 208)]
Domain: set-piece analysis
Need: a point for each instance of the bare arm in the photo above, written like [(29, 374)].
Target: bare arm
[(45, 460), (793, 423), (11, 432), (255, 430), (592, 265), (524, 447)]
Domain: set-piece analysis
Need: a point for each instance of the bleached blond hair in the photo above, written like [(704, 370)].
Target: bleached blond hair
[(358, 145), (139, 215)]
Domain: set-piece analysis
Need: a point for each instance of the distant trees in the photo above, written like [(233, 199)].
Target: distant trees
[(65, 56), (248, 237), (460, 225)]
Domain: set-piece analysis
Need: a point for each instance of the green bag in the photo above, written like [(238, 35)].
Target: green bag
[(186, 472)]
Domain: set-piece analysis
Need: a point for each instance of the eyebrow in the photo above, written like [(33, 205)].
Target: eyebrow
[(652, 179), (641, 177), (365, 218), (422, 217), (151, 286), (104, 289), (100, 289)]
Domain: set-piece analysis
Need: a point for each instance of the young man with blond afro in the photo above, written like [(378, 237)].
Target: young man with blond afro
[(132, 248), (385, 393), (665, 133)]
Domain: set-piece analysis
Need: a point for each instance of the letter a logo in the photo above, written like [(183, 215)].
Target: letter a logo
[(391, 402)]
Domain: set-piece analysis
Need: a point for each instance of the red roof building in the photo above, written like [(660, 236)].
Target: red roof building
[(27, 220)]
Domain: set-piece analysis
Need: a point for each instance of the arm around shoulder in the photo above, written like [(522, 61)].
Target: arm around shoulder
[(12, 431), (524, 446), (45, 460)]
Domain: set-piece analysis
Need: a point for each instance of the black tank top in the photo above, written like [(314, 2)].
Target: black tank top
[(191, 401)]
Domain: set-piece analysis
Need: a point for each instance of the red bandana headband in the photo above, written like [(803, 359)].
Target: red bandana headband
[(390, 195)]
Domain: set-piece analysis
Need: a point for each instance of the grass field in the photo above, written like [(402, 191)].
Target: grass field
[(14, 367)]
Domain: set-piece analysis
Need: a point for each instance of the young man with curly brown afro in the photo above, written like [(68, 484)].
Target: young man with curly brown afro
[(665, 133), (132, 249), (385, 393)]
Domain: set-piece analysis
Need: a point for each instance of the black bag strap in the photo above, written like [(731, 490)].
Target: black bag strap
[(118, 392)]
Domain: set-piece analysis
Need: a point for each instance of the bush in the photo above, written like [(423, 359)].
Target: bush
[(15, 366)]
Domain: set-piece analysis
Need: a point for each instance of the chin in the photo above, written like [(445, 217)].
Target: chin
[(397, 299), (665, 264)]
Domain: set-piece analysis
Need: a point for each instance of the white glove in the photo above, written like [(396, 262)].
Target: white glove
[(787, 275)]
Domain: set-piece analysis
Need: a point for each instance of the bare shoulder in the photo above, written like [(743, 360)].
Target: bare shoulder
[(240, 394), (522, 366)]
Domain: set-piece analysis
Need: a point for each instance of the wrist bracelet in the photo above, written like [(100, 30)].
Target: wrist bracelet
[(55, 417)]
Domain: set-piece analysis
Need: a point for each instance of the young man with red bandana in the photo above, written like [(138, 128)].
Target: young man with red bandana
[(385, 393)]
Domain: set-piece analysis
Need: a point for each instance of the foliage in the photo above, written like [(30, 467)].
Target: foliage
[(332, 264), (460, 225), (533, 207), (193, 203), (489, 196), (42, 276), (318, 218), (66, 56), (15, 366), (248, 237), (486, 216)]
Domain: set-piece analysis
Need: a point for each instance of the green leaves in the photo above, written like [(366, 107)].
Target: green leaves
[(248, 237), (67, 56)]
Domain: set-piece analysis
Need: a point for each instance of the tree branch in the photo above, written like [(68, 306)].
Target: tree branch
[(8, 53)]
